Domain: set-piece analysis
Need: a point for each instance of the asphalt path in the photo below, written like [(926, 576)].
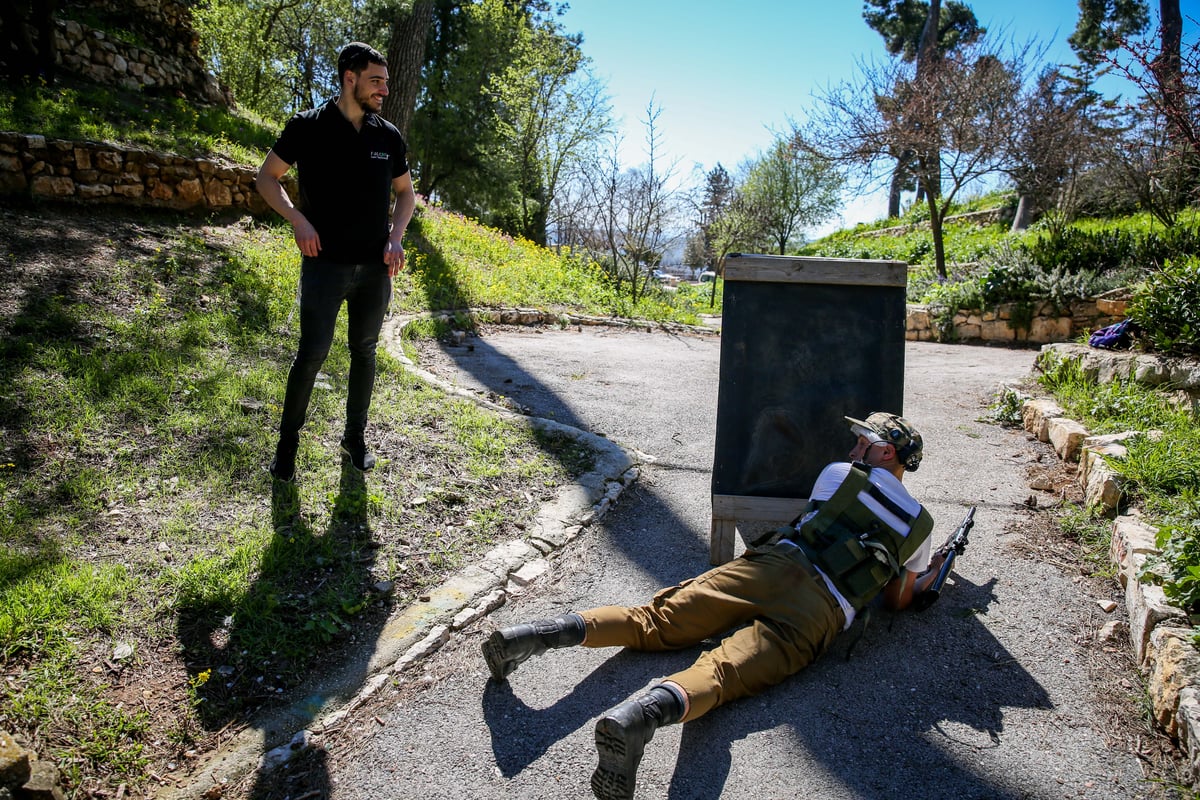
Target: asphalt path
[(984, 695)]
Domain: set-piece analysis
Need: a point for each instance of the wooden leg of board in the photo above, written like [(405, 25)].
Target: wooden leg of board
[(722, 535)]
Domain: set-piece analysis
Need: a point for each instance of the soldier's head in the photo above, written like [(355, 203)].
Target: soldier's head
[(885, 439)]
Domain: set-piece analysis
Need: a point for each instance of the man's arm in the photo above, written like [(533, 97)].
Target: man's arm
[(406, 202), (899, 592), (269, 183)]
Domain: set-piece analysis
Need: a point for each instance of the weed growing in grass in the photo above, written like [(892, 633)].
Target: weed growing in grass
[(1094, 534), (1112, 406), (1007, 408)]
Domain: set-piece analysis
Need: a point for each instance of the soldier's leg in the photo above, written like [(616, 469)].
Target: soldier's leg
[(797, 631)]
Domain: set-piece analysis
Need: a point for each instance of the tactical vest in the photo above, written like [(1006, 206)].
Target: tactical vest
[(857, 550)]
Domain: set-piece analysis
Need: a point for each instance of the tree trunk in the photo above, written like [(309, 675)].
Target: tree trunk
[(406, 57), (928, 61), (1168, 74), (927, 52), (935, 229), (900, 176), (1024, 214)]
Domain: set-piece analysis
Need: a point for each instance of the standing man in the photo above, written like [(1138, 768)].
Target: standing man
[(350, 162), (862, 535)]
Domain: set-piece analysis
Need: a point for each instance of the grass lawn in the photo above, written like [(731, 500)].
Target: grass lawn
[(156, 588)]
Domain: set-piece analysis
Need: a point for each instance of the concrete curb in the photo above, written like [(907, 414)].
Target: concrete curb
[(419, 630), (1160, 634)]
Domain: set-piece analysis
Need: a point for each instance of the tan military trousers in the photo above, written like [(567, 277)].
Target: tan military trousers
[(790, 619)]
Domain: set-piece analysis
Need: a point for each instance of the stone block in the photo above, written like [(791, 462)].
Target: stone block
[(1172, 665), (965, 331), (109, 161), (190, 191), (1050, 329), (997, 331), (1187, 727), (529, 572), (1132, 540), (217, 194), (47, 186), (94, 191), (1036, 415), (43, 783), (1066, 435), (15, 762), (917, 319), (1109, 445), (1103, 486), (161, 191), (1148, 608)]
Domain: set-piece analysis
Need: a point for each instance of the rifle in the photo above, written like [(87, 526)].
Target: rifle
[(953, 547)]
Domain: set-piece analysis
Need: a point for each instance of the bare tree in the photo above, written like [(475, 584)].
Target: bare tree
[(958, 118), (626, 218), (1163, 164), (1159, 160), (557, 112)]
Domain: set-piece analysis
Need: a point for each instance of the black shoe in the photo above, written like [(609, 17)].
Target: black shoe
[(283, 465), (508, 647), (621, 736), (354, 447)]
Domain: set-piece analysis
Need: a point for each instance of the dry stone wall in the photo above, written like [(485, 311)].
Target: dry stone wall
[(1014, 324), (149, 45), (41, 168), (95, 56)]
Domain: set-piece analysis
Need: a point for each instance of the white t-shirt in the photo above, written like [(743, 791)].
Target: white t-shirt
[(828, 482)]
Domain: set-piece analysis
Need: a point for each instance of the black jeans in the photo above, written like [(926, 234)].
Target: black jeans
[(324, 285)]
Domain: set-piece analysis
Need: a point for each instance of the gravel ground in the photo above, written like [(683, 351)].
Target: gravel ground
[(1000, 690)]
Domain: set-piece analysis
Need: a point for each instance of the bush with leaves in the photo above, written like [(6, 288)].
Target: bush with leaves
[(1111, 251), (1166, 308), (1075, 250)]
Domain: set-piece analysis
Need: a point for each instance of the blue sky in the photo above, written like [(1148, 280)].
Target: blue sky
[(726, 73)]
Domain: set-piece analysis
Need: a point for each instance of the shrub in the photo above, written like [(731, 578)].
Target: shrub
[(1075, 250), (1166, 308), (1113, 250)]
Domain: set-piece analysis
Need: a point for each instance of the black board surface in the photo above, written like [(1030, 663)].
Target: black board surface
[(804, 342)]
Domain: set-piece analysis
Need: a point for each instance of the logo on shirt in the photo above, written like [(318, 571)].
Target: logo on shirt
[(379, 155)]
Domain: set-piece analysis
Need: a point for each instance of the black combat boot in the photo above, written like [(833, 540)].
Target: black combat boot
[(508, 647), (621, 736)]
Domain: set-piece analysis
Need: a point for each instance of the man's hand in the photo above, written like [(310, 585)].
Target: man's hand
[(306, 236), (269, 183), (393, 256)]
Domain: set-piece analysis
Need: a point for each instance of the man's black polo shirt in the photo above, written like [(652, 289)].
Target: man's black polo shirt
[(345, 178)]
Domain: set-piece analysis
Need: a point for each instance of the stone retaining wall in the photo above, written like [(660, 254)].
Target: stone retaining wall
[(1178, 376), (1013, 323), (148, 45), (41, 168), (1160, 634), (93, 55)]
